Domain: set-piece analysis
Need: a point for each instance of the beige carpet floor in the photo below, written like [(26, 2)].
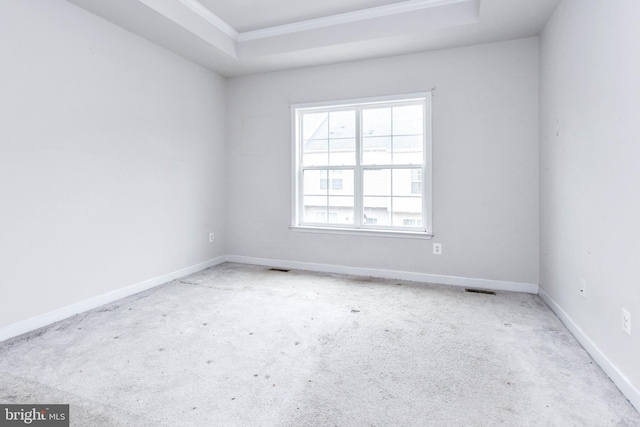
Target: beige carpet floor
[(239, 345)]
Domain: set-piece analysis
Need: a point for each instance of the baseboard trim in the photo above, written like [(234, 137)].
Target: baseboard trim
[(31, 324), (469, 282), (618, 378), (621, 381)]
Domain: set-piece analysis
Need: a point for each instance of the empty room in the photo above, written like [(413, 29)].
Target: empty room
[(319, 213)]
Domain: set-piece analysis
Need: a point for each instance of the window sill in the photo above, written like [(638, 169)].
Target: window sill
[(363, 232)]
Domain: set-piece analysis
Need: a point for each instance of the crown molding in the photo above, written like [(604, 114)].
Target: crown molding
[(313, 24), (212, 18), (345, 18)]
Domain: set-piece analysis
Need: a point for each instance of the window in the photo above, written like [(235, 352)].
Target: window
[(363, 166)]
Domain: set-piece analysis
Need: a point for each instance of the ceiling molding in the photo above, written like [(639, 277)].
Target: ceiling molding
[(212, 18), (344, 18), (313, 24)]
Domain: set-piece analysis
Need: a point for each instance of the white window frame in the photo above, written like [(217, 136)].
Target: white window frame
[(359, 227)]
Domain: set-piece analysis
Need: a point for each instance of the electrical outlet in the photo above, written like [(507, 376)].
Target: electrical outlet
[(437, 248), (583, 288), (211, 236), (626, 321)]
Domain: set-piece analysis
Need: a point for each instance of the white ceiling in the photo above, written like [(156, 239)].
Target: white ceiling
[(235, 37)]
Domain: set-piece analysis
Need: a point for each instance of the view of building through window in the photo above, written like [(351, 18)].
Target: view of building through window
[(362, 165)]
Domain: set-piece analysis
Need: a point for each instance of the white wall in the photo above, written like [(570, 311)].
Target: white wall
[(590, 172), (111, 159), (485, 148)]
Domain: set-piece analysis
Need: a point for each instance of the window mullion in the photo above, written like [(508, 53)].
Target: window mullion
[(391, 170), (328, 138), (328, 165), (391, 136), (299, 158), (358, 200)]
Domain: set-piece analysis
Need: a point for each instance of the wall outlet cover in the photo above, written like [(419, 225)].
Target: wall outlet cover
[(626, 321)]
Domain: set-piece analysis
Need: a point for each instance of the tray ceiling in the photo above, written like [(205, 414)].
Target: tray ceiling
[(235, 37)]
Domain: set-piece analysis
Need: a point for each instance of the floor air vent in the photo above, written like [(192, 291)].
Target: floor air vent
[(281, 270), (480, 291)]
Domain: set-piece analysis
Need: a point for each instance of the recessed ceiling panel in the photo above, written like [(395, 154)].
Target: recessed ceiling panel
[(373, 29), (249, 15)]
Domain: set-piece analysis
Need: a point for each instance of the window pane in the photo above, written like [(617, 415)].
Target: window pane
[(401, 182), (376, 122), (408, 120), (341, 182), (376, 150), (407, 182), (340, 210), (342, 152), (315, 182), (376, 182), (407, 211), (342, 124), (342, 138), (315, 209), (377, 211), (315, 126), (407, 150), (315, 139), (315, 152)]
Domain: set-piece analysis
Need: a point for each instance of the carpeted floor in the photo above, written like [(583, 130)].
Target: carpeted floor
[(239, 345)]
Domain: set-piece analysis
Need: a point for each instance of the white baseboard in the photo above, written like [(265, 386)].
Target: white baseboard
[(496, 285), (45, 319), (623, 383), (618, 378)]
